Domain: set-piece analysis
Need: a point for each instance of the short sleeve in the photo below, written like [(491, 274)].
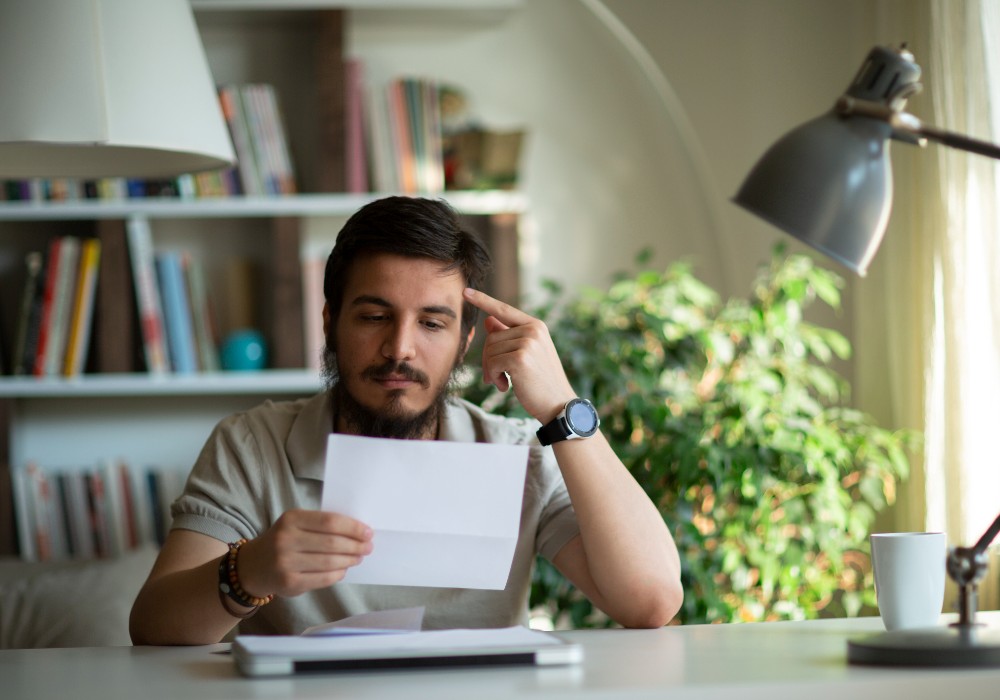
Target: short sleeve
[(221, 498), (557, 523)]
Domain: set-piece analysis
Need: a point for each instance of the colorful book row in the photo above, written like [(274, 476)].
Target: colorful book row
[(264, 162), (100, 511), (56, 308), (175, 319), (417, 135)]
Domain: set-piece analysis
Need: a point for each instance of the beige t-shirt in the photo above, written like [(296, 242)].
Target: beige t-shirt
[(262, 462)]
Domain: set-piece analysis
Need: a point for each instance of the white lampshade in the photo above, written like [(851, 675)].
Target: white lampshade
[(102, 88)]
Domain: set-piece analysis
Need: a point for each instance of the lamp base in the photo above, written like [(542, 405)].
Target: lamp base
[(970, 646)]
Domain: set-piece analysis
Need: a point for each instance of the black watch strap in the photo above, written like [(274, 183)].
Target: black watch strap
[(553, 431)]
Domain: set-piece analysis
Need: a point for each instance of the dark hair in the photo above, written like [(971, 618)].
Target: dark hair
[(411, 227)]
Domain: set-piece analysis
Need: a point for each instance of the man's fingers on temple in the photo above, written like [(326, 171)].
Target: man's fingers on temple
[(505, 313)]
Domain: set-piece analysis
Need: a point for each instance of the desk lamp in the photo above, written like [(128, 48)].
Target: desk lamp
[(828, 183), (104, 88)]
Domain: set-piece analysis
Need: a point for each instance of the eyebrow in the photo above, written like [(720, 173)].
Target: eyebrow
[(379, 301)]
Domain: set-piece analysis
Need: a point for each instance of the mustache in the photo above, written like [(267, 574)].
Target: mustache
[(396, 369)]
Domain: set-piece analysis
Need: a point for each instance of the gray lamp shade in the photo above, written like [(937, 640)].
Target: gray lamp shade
[(829, 182)]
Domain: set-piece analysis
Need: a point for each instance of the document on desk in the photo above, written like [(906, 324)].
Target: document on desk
[(445, 514), (285, 655)]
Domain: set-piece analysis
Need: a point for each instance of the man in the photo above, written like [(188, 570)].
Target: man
[(402, 293)]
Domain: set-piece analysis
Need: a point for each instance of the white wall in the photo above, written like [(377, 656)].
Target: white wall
[(607, 169)]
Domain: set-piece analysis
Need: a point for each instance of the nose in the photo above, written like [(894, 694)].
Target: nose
[(399, 344)]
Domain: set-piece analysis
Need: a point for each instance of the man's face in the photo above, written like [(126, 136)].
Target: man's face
[(397, 338)]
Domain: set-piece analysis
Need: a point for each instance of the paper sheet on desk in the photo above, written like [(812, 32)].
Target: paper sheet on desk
[(445, 514), (395, 621)]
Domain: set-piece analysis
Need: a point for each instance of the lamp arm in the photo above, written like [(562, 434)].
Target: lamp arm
[(908, 128), (988, 536)]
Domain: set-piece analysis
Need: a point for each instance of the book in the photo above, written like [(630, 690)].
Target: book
[(77, 513), (115, 514), (253, 111), (117, 341), (231, 103), (433, 156), (140, 240), (78, 341), (356, 146), (399, 137), (29, 314), (201, 315), (98, 502), (40, 529), (381, 160), (62, 305), (313, 269), (24, 516), (176, 312), (284, 299), (274, 131), (55, 515), (52, 272)]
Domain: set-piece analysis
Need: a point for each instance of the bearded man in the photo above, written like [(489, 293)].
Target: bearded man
[(248, 544)]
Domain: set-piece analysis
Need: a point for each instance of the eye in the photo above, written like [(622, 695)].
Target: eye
[(373, 317), (433, 325)]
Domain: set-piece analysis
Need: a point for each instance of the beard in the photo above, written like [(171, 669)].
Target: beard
[(391, 420)]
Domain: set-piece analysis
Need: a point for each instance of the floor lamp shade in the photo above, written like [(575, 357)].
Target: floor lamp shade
[(102, 88)]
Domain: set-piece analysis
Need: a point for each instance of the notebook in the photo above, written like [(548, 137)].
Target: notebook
[(287, 655)]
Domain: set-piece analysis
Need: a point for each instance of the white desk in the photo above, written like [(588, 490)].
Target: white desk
[(767, 660)]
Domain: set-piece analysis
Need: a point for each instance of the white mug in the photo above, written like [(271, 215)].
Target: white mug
[(909, 577)]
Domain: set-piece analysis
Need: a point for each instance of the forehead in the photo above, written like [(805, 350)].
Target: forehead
[(402, 280)]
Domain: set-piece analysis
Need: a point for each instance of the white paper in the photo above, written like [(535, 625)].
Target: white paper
[(395, 621), (445, 514)]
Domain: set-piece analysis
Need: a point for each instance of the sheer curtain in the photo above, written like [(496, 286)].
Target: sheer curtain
[(938, 278)]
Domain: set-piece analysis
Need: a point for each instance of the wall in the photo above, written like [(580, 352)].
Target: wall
[(607, 169)]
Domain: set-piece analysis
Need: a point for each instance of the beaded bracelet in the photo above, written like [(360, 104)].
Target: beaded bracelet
[(229, 584)]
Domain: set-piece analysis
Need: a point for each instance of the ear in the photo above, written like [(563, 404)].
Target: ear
[(326, 320)]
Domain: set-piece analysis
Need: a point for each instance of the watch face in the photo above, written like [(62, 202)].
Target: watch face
[(581, 416)]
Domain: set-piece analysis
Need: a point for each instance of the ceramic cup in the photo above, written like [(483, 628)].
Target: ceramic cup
[(909, 577)]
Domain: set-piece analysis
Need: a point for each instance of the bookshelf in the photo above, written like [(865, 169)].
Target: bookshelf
[(164, 419)]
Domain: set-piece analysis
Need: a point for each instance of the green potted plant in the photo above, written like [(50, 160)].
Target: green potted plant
[(732, 420)]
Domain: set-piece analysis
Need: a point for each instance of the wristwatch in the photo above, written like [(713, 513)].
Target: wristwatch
[(577, 420)]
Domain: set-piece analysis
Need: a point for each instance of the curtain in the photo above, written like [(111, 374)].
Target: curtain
[(935, 330)]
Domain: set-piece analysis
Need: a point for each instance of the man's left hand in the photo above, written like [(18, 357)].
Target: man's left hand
[(519, 346)]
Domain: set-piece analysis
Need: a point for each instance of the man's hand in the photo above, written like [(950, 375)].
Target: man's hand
[(302, 551), (519, 345)]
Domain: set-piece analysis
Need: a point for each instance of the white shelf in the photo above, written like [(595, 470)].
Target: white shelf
[(269, 382), (305, 205), (271, 5)]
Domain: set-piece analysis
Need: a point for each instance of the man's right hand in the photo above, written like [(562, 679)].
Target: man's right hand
[(303, 550)]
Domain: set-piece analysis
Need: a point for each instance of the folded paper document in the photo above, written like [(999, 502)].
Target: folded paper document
[(285, 655), (445, 514), (398, 621)]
